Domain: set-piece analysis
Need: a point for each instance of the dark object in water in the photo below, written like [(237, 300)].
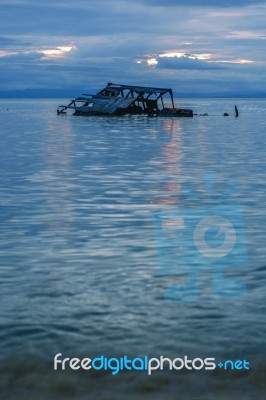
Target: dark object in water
[(226, 115), (120, 100), (236, 111), (60, 111), (175, 112)]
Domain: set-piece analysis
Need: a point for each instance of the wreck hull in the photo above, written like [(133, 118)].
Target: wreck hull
[(176, 112)]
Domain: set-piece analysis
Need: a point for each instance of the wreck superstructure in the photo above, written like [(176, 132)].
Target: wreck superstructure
[(117, 100)]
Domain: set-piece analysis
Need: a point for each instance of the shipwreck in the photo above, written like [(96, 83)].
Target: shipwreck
[(118, 100)]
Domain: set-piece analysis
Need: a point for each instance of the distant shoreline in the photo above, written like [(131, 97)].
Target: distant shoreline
[(23, 95), (39, 93)]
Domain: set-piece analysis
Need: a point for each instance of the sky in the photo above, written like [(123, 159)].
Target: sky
[(207, 48)]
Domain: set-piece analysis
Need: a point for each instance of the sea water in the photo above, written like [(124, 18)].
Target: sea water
[(84, 261)]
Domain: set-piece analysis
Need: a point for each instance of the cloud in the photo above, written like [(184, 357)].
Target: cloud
[(201, 3), (71, 18), (5, 41), (255, 35), (87, 43), (11, 42), (186, 63)]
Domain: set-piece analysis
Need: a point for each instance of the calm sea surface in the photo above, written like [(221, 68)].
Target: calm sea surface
[(84, 260)]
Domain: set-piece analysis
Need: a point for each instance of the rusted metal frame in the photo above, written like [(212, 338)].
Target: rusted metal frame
[(172, 98), (144, 88)]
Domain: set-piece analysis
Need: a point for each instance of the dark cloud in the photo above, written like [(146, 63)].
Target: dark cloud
[(7, 41), (186, 63), (71, 18), (10, 42), (20, 59)]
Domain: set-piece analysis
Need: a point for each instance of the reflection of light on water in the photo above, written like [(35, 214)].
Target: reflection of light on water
[(55, 177), (168, 125), (171, 161), (202, 142)]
